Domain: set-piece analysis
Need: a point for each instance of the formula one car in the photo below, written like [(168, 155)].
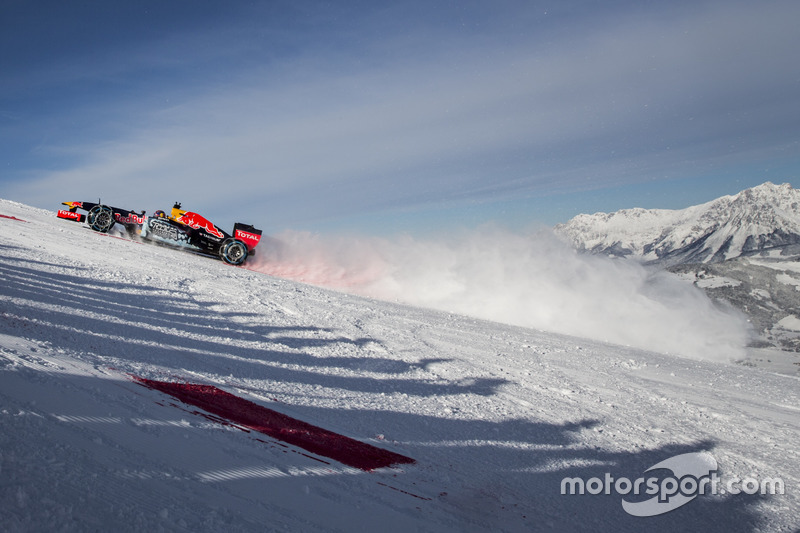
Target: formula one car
[(102, 217), (182, 229), (189, 230)]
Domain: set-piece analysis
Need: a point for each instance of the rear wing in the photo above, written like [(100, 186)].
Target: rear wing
[(247, 234)]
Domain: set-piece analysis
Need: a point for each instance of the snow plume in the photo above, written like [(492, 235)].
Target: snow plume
[(526, 280)]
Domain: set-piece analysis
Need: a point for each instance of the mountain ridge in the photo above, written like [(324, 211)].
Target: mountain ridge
[(763, 220)]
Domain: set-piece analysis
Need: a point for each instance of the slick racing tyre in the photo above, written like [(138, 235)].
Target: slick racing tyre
[(101, 218), (233, 252)]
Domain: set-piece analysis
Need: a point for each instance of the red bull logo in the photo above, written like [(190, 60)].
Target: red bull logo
[(132, 218), (195, 221)]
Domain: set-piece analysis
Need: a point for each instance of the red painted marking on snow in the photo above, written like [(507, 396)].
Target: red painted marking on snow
[(404, 491), (12, 218), (279, 426), (315, 458)]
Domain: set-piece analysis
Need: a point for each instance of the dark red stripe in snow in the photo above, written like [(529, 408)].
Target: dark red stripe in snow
[(279, 426), (12, 218)]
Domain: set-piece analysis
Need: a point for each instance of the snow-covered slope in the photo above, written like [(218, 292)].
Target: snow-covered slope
[(495, 417), (766, 289), (758, 220)]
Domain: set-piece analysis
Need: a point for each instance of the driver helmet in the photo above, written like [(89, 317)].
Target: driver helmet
[(159, 214)]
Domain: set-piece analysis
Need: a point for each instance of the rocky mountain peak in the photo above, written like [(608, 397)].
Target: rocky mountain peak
[(762, 220)]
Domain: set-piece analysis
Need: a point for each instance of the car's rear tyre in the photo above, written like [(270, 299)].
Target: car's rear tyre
[(233, 252), (100, 218)]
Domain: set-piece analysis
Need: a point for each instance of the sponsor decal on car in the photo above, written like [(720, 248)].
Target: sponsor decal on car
[(250, 239), (63, 213), (132, 218), (195, 221), (163, 230)]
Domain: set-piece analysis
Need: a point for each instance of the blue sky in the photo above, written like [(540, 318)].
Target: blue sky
[(380, 117)]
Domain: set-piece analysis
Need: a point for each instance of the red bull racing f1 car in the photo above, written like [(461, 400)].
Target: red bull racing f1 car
[(183, 229)]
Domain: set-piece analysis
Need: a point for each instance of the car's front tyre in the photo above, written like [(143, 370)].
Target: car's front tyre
[(101, 218)]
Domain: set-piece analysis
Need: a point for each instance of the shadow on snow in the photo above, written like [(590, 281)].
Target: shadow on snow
[(135, 325)]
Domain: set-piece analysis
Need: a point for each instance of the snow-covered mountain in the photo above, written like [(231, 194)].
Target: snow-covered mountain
[(133, 379), (765, 289), (762, 220)]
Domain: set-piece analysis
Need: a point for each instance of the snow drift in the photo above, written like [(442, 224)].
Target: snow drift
[(526, 280)]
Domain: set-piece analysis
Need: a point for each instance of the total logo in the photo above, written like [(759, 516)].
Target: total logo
[(63, 213), (251, 239)]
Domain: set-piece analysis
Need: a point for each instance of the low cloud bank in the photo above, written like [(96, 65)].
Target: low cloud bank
[(526, 280)]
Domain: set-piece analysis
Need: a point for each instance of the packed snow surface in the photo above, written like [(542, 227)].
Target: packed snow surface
[(494, 416)]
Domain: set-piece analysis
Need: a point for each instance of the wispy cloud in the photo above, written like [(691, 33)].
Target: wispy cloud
[(441, 116)]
